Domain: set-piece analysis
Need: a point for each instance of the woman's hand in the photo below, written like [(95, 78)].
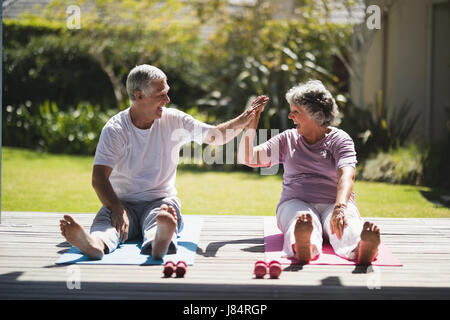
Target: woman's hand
[(259, 103), (338, 220), (251, 115), (247, 154)]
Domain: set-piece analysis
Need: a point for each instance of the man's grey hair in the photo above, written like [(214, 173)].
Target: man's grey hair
[(317, 101), (141, 78)]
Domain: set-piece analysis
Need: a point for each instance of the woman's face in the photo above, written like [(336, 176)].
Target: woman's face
[(303, 122)]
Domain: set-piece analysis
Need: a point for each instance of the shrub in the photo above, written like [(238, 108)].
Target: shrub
[(38, 65), (436, 163), (378, 128), (75, 131), (401, 165), (46, 61)]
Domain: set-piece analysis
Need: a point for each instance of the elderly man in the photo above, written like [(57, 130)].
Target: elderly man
[(135, 169)]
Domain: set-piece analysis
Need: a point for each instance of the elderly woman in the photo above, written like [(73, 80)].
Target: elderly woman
[(319, 162)]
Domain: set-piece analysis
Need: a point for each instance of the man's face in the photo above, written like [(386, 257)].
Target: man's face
[(153, 104)]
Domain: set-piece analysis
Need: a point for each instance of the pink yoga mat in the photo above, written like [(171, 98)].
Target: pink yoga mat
[(273, 247)]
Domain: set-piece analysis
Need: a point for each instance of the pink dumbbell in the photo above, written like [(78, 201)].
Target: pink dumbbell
[(260, 269), (181, 269), (169, 269), (274, 269)]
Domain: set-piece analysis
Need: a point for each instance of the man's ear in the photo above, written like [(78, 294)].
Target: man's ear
[(138, 94)]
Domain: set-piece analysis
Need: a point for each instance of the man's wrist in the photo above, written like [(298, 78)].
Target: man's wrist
[(117, 208)]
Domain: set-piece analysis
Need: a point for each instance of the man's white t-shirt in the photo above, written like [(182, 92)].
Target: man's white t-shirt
[(144, 161)]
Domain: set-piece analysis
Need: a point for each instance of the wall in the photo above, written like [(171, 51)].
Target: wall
[(407, 62)]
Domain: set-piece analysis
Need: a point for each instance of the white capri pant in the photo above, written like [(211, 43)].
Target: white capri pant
[(321, 213)]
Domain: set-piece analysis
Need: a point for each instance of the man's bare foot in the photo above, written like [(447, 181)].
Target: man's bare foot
[(368, 246), (302, 233), (78, 237), (166, 225)]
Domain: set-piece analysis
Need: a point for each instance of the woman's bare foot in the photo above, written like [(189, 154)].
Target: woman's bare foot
[(302, 233), (368, 246), (78, 237), (166, 225)]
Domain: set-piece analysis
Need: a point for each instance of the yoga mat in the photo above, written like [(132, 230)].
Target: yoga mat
[(129, 253), (273, 248)]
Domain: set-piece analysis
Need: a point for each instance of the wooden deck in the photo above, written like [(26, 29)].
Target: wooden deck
[(30, 243)]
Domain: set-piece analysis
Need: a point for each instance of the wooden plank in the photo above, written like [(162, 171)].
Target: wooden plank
[(228, 247)]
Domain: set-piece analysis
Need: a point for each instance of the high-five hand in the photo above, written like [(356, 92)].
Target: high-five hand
[(255, 109)]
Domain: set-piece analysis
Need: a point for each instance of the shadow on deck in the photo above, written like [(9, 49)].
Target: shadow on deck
[(330, 289)]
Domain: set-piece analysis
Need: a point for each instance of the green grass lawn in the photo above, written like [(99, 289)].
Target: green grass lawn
[(34, 181)]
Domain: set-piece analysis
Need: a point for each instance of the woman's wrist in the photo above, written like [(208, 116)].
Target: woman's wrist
[(340, 205)]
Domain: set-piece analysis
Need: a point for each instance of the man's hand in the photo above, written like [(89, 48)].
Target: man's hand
[(120, 222), (338, 221), (107, 196), (254, 111), (225, 132)]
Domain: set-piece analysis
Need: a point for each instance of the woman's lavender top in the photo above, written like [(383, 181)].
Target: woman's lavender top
[(310, 169)]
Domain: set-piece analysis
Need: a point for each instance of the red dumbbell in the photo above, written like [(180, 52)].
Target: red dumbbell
[(274, 269), (169, 269), (260, 269), (181, 269)]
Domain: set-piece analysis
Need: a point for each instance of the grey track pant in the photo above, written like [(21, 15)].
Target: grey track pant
[(142, 217)]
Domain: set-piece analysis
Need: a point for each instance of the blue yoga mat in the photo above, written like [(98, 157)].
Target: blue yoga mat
[(129, 253)]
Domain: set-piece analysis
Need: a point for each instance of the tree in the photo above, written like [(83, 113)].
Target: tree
[(252, 52), (354, 56), (122, 34)]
